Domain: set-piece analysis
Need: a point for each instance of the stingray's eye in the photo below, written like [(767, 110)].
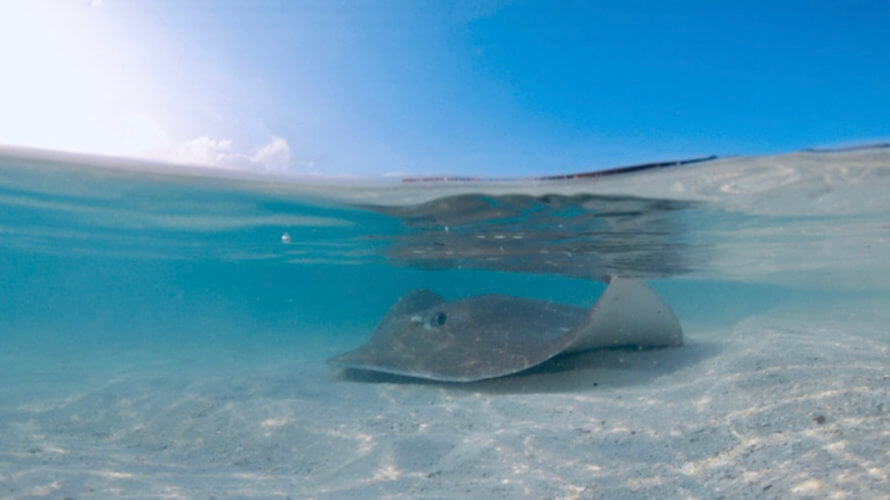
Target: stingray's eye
[(439, 319)]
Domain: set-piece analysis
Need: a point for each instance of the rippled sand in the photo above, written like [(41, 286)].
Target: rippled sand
[(791, 402)]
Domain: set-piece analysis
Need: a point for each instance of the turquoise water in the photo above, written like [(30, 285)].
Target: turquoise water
[(135, 300), (122, 259)]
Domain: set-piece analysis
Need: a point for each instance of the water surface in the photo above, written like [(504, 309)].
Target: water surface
[(165, 334)]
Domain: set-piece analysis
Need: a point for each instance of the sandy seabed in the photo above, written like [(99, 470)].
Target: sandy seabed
[(791, 403)]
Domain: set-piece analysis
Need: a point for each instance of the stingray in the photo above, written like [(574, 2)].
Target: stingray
[(488, 336)]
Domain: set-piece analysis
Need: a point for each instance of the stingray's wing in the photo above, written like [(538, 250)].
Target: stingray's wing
[(495, 335), (629, 313), (386, 336), (483, 337)]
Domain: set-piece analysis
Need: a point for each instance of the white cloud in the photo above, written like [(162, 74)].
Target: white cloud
[(203, 151), (274, 156)]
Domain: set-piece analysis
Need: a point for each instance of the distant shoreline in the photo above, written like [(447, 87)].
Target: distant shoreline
[(564, 177)]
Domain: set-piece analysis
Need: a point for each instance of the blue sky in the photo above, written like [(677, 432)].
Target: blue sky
[(469, 87)]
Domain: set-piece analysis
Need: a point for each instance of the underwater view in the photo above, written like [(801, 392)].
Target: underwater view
[(706, 329)]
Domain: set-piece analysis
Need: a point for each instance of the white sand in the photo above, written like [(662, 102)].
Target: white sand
[(737, 413)]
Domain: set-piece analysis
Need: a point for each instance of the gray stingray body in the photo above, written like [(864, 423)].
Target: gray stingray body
[(490, 336)]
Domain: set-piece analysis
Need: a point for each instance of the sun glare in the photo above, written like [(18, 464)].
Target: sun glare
[(62, 87), (74, 79)]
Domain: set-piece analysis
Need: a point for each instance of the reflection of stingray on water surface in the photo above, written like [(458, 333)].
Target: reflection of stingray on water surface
[(495, 335), (582, 236)]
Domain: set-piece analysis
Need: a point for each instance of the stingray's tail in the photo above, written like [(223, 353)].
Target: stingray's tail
[(629, 313)]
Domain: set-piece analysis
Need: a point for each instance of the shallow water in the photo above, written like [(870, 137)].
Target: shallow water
[(165, 335)]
